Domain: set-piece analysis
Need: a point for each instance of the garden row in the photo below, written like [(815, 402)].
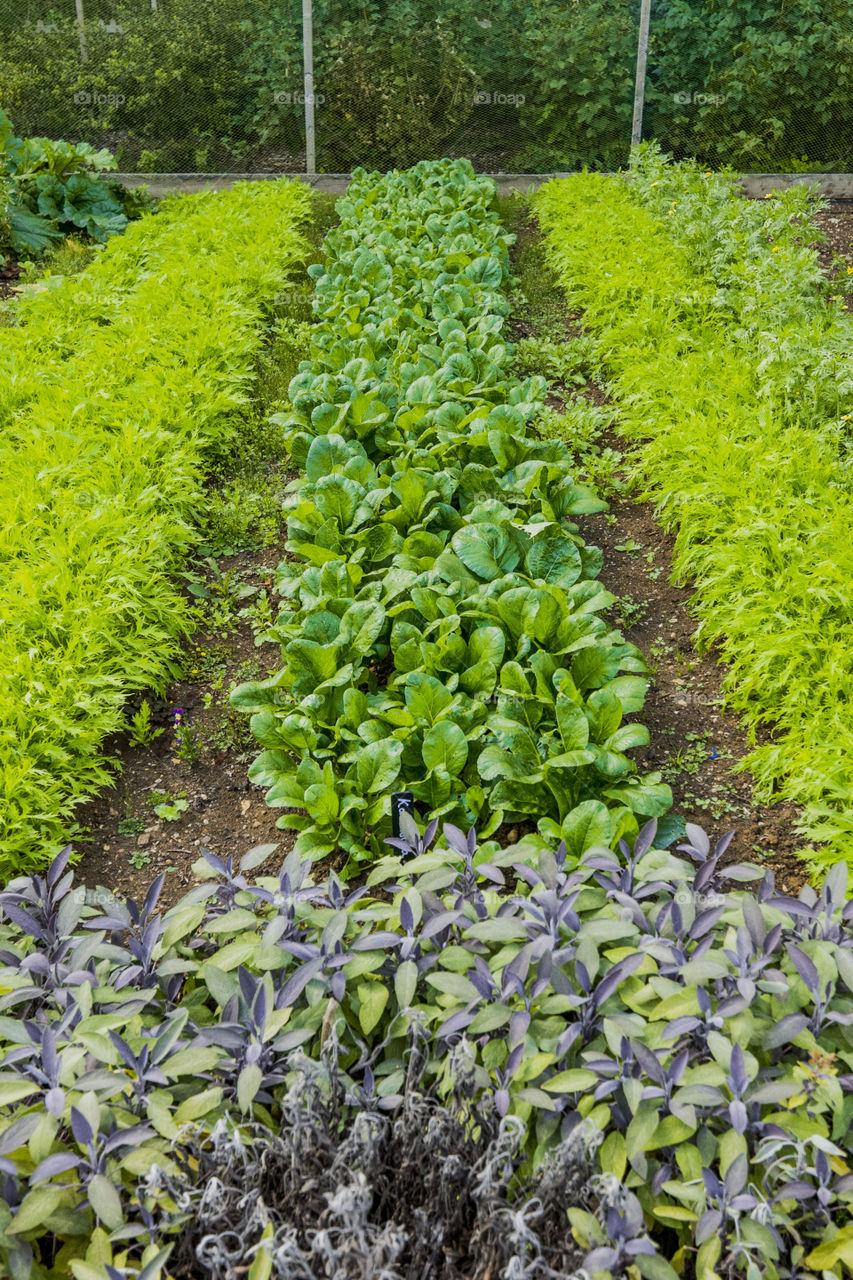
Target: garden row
[(117, 389), (731, 367), (607, 1062), (441, 630)]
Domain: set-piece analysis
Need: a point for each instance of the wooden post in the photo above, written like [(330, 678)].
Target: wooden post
[(308, 82), (640, 83), (81, 31)]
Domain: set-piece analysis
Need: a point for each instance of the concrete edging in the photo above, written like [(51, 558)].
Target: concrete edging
[(835, 186)]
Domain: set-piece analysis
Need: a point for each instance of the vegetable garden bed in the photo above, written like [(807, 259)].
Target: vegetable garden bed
[(569, 1040)]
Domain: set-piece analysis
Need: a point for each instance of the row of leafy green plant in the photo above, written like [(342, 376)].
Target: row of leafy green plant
[(621, 1016), (178, 88), (731, 365), (48, 189), (441, 630), (117, 388)]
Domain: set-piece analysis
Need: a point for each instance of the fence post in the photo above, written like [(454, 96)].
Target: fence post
[(640, 83), (308, 68), (81, 31)]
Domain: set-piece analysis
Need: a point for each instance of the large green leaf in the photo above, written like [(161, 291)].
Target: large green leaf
[(445, 745), (554, 558), (378, 765), (487, 550)]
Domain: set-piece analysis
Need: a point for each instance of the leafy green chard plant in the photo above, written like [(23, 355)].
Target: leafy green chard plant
[(440, 630), (57, 187), (696, 1039)]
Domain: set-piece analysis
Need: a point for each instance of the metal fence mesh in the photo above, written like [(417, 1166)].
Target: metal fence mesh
[(543, 86)]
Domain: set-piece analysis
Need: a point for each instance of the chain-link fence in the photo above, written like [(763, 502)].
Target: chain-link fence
[(542, 86)]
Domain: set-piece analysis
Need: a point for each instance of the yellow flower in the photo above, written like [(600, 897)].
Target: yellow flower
[(845, 417), (775, 248)]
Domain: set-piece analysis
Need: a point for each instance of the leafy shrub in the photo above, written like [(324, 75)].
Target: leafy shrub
[(756, 88), (116, 388), (392, 95), (184, 86), (697, 1040), (54, 187), (579, 64), (441, 628), (730, 362)]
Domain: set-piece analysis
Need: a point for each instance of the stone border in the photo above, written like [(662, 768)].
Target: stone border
[(835, 186)]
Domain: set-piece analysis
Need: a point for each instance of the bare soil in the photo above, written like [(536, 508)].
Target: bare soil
[(10, 270), (128, 844)]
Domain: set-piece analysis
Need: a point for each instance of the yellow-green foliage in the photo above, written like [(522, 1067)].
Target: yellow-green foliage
[(116, 387), (732, 367)]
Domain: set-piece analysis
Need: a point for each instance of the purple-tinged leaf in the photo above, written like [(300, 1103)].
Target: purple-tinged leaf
[(54, 1102), (18, 1133), (518, 1024), (708, 1225), (338, 985), (502, 1102), (297, 982), (383, 939), (130, 1137), (620, 972), (25, 922), (442, 920), (490, 873), (649, 1061), (737, 1069), (457, 840), (51, 1167), (796, 1190), (645, 839), (705, 921), (754, 920), (80, 1127), (513, 1061), (698, 839), (785, 1030), (603, 1258), (805, 968), (738, 1116), (58, 865), (457, 1022)]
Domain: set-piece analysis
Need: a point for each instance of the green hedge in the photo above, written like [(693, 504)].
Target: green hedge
[(732, 367), (204, 87), (115, 387)]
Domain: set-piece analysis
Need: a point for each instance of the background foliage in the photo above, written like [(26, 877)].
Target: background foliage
[(755, 86)]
